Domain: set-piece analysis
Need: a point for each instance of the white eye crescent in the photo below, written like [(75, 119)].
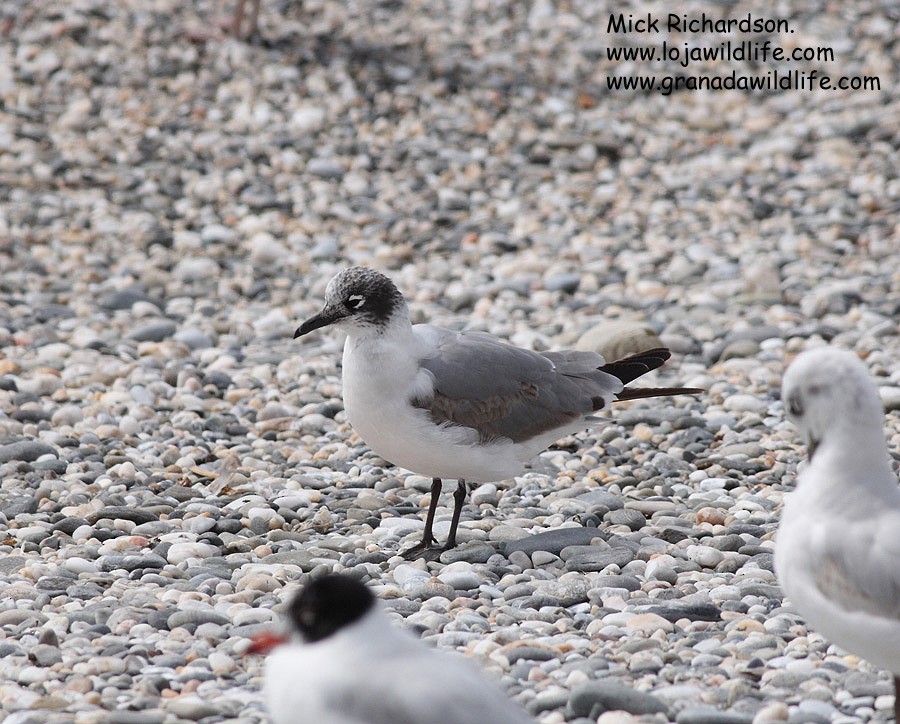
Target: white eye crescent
[(355, 301)]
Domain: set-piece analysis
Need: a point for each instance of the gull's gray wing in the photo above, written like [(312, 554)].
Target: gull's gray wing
[(507, 392), (425, 688), (859, 572)]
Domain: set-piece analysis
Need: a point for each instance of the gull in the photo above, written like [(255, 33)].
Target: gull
[(461, 405), (344, 663), (838, 547)]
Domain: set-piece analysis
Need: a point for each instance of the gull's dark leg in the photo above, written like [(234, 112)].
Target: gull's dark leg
[(897, 698), (254, 18), (238, 20), (428, 539), (237, 24), (459, 497)]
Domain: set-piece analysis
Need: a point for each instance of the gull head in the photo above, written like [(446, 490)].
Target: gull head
[(327, 604), (357, 299), (828, 394)]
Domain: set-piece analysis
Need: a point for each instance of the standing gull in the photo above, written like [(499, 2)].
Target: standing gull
[(461, 405), (346, 664), (838, 549)]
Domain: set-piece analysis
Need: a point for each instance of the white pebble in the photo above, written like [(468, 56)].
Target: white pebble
[(180, 552)]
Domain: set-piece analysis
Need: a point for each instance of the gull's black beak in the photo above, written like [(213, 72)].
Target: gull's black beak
[(813, 446), (322, 319)]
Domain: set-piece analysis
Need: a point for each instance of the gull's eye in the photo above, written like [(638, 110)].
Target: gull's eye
[(795, 407), (355, 301)]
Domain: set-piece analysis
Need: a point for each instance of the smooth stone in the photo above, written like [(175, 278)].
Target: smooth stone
[(124, 299), (601, 499), (567, 283), (742, 402), (629, 583), (122, 512), (45, 655), (634, 519), (11, 564), (461, 580), (16, 617), (117, 561), (191, 707), (153, 528), (474, 552), (772, 713), (196, 269), (766, 561), (739, 349), (567, 591), (618, 338), (866, 683), (406, 574), (708, 715), (180, 552), (705, 556), (30, 414), (325, 168), (529, 653), (155, 331), (890, 398), (430, 588), (484, 495), (148, 716), (588, 562), (193, 338), (648, 623), (674, 611), (195, 617), (18, 505), (57, 466), (547, 701), (543, 558), (306, 119), (552, 541), (594, 698), (25, 450)]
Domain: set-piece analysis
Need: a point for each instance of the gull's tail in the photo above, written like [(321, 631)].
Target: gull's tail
[(630, 368), (636, 393)]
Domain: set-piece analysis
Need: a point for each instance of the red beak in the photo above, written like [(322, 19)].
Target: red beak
[(265, 641)]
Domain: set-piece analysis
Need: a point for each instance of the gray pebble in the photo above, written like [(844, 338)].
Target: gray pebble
[(594, 698), (116, 561), (474, 552), (193, 617), (124, 299), (121, 512), (632, 518), (552, 541), (590, 561), (192, 708), (708, 715), (136, 717), (45, 655), (155, 331), (567, 283), (24, 450), (325, 168)]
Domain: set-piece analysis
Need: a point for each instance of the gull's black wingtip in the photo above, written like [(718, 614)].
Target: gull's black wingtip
[(630, 368)]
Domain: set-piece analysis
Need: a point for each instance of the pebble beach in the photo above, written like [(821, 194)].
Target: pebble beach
[(174, 465)]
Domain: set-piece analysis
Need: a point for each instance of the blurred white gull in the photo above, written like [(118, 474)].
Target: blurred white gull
[(838, 548), (345, 663)]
